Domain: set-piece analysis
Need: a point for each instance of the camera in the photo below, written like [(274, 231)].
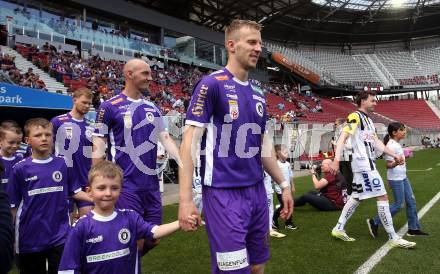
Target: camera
[(317, 169)]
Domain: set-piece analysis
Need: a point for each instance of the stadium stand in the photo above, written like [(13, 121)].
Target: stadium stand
[(382, 68), (417, 113)]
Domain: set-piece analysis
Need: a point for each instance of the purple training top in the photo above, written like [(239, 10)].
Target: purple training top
[(40, 189), (132, 129), (99, 244), (234, 114), (73, 141)]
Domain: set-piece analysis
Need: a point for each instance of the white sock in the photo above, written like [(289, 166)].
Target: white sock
[(383, 209), (346, 213)]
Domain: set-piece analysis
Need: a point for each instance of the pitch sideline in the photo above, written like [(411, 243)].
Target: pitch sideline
[(383, 250)]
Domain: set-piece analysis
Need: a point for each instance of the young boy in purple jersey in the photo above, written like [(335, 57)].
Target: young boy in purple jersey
[(233, 112), (132, 126), (104, 240), (73, 140), (40, 186), (10, 139)]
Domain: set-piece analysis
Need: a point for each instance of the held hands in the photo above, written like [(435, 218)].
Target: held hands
[(399, 160), (189, 217)]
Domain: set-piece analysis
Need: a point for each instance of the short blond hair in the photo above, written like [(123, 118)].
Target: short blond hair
[(36, 122), (237, 24), (83, 91), (105, 169)]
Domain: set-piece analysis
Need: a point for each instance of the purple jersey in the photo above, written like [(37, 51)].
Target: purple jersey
[(234, 114), (40, 189), (98, 244), (132, 129), (8, 163), (73, 141)]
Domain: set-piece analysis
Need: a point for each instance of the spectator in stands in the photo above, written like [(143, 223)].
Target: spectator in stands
[(38, 83), (281, 106), (330, 191), (178, 103)]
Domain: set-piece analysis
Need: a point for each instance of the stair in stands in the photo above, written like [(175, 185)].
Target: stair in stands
[(23, 64)]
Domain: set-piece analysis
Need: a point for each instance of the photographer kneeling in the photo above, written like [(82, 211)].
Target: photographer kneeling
[(329, 194)]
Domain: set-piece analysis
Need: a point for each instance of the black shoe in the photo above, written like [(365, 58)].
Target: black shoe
[(275, 224), (372, 227), (291, 226), (417, 232)]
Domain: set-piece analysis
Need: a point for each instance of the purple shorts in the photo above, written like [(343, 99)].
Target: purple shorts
[(236, 222), (147, 203)]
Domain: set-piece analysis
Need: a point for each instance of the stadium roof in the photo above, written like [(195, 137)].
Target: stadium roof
[(314, 21)]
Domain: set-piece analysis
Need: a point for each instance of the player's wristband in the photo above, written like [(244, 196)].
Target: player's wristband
[(284, 185)]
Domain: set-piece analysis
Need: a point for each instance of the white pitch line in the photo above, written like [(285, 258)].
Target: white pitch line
[(428, 169), (438, 164), (381, 252)]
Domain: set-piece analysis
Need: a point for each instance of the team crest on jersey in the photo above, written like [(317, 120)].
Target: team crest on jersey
[(69, 133), (127, 119), (150, 116), (57, 176), (260, 108), (233, 109), (89, 132), (124, 235)]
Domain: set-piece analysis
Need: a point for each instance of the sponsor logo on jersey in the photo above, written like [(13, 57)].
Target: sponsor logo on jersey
[(258, 98), (367, 136), (367, 183), (222, 77), (197, 109), (117, 101), (124, 107), (108, 256), (95, 240), (227, 261), (260, 108), (127, 119), (4, 181), (99, 121), (33, 178), (150, 109), (57, 176), (233, 109), (376, 183), (124, 235), (229, 87), (232, 96), (64, 118), (45, 190), (69, 133), (257, 89)]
